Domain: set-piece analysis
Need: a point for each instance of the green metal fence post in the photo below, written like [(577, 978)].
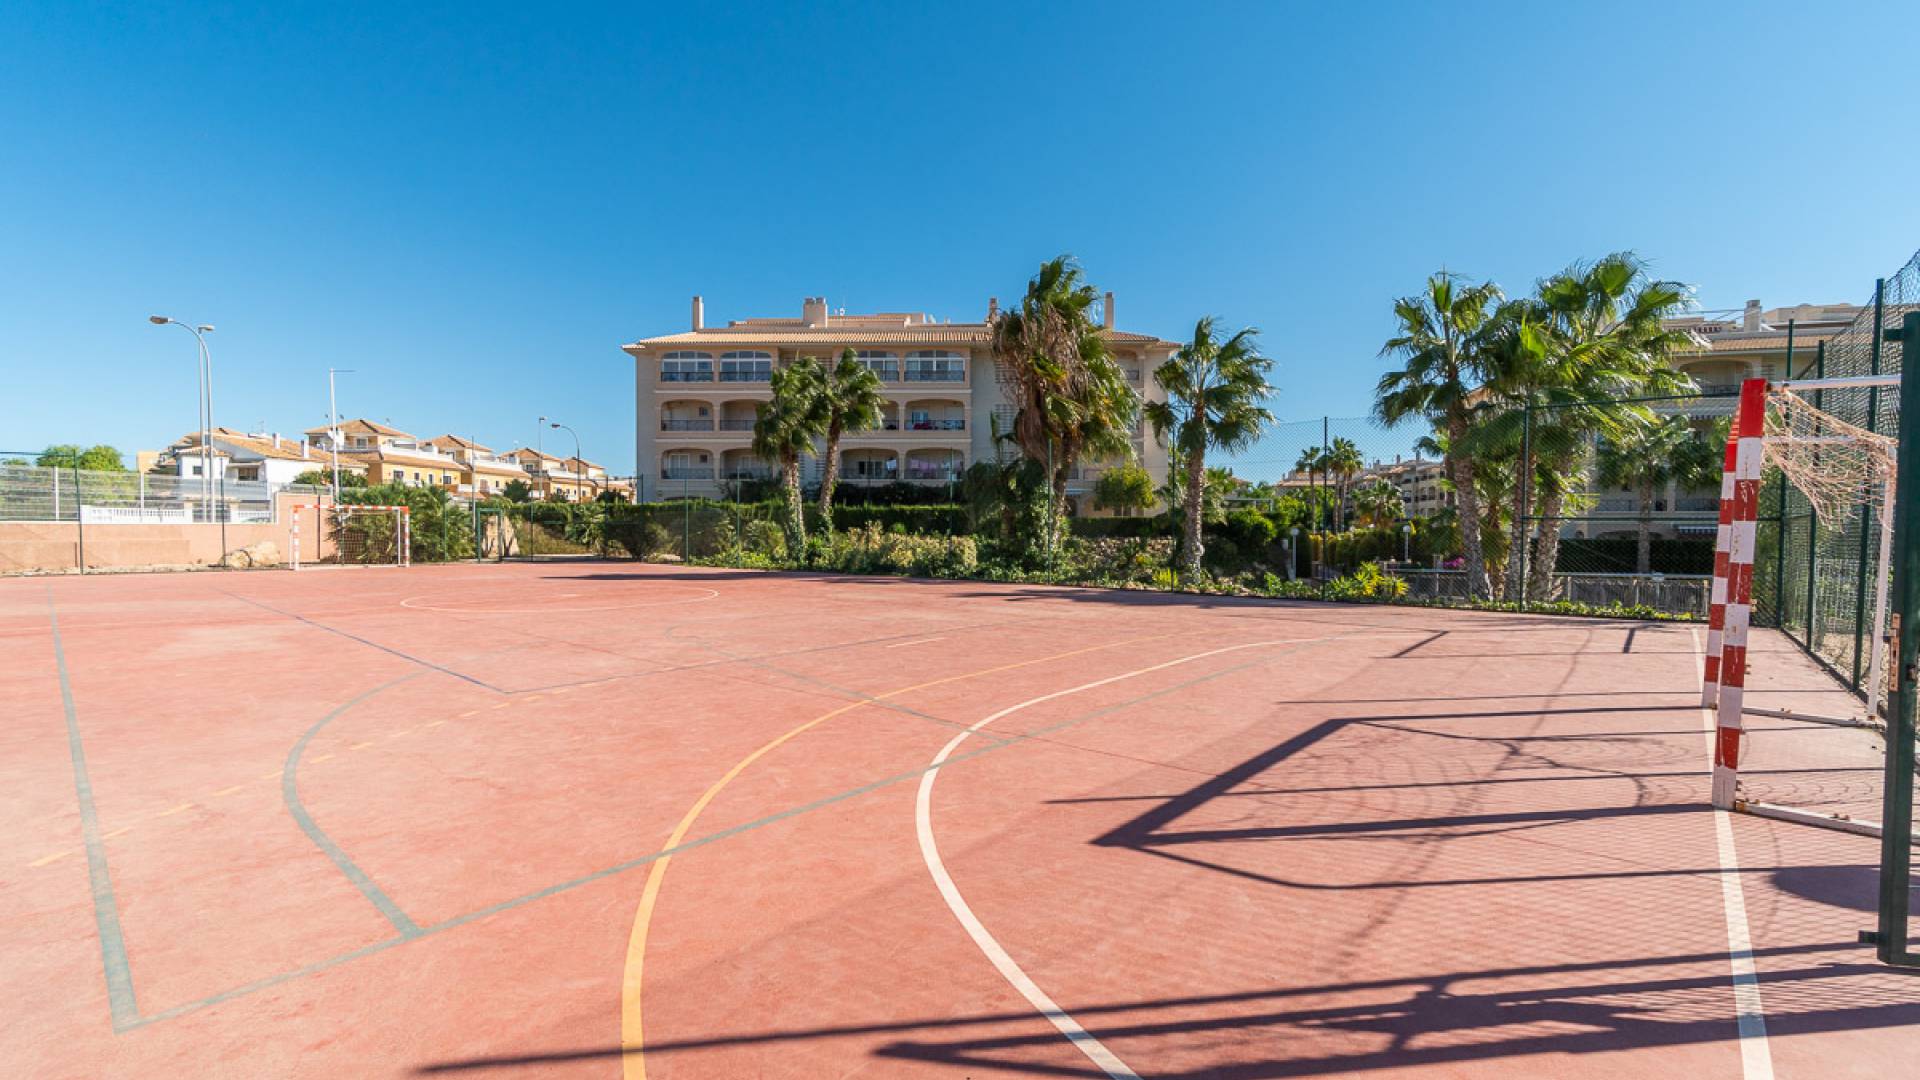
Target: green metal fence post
[(1896, 819), (1813, 520), (1524, 507), (79, 513), (1866, 506)]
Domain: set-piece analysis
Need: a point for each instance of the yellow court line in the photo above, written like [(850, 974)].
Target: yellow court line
[(402, 731), (435, 723), (182, 808), (469, 712), (45, 859), (116, 832), (631, 1031), (228, 790), (360, 746)]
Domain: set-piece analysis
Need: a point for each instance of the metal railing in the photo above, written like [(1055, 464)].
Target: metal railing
[(46, 494), (687, 472), (1680, 594), (686, 425)]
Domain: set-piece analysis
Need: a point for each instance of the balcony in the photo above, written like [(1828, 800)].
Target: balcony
[(736, 423), (686, 472), (936, 375), (686, 376), (752, 376), (704, 423)]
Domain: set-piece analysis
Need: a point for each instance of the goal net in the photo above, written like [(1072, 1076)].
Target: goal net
[(349, 534), (1818, 458)]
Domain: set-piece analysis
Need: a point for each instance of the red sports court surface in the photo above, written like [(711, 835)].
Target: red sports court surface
[(602, 819)]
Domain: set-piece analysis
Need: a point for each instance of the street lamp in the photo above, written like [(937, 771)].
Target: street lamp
[(200, 333), (578, 465), (333, 427), (1406, 541), (1293, 553)]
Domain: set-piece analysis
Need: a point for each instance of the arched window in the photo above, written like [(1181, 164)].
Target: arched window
[(686, 367), (746, 365)]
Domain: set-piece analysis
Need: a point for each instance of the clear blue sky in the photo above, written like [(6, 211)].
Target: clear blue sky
[(475, 206)]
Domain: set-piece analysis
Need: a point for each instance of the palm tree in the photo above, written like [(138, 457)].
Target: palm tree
[(1379, 504), (851, 401), (1071, 399), (784, 429), (1651, 455), (1342, 462), (1606, 338), (1439, 345), (1216, 394), (1311, 461)]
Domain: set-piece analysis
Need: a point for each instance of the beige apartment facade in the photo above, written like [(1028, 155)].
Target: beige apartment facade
[(697, 392)]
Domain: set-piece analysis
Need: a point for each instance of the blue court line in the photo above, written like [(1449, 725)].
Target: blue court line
[(290, 792), (511, 903), (106, 913)]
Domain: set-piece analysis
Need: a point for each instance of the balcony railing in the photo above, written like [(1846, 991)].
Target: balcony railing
[(941, 474), (746, 376), (943, 375), (736, 424), (745, 473), (686, 425), (686, 376), (937, 425), (687, 472)]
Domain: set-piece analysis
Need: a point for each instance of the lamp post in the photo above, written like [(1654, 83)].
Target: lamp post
[(1406, 541), (333, 428), (540, 450), (1293, 553), (578, 478), (200, 333)]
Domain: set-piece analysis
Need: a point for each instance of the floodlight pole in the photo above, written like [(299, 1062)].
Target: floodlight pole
[(333, 428), (578, 477), (200, 333)]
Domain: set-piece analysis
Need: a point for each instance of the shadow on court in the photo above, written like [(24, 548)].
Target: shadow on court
[(1435, 1020)]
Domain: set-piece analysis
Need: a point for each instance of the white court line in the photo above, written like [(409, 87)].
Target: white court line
[(1095, 1050), (409, 603), (922, 641), (1756, 1056)]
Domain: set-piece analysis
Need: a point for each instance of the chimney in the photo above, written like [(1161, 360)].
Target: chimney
[(699, 314), (813, 311), (1107, 312), (993, 308), (276, 440), (1750, 318), (306, 449)]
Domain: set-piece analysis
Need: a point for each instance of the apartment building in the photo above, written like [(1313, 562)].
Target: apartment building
[(1422, 484), (388, 455), (482, 472), (697, 393), (240, 455), (568, 478)]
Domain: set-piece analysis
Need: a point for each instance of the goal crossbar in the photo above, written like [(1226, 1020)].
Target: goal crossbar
[(403, 529)]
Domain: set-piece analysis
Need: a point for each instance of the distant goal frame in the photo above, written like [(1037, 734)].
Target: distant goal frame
[(403, 531)]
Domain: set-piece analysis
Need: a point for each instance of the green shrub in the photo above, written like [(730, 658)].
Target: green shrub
[(765, 537), (869, 550)]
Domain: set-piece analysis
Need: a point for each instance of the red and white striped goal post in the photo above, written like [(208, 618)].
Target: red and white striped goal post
[(1731, 615), (404, 528)]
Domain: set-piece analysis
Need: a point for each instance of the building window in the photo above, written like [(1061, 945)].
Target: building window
[(746, 366), (883, 364), (686, 367), (934, 366)]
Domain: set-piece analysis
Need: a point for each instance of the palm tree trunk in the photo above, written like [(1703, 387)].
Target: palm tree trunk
[(796, 508), (1196, 484), (1461, 469), (829, 479), (1643, 550), (1547, 551)]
